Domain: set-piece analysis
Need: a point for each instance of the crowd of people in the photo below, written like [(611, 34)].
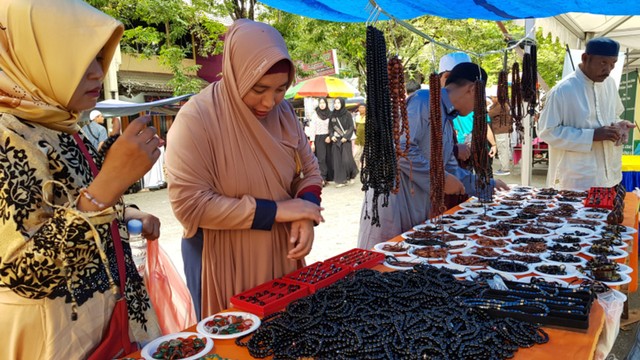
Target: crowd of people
[(245, 181)]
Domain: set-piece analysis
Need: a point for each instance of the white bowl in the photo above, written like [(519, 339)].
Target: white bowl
[(427, 227), (379, 247), (628, 230), (506, 237), (412, 252), (624, 279), (508, 214), (527, 280), (472, 251), (407, 258), (621, 253), (449, 260), (469, 212), (522, 230), (570, 270), (245, 315), (624, 269), (505, 275), (515, 249), (466, 270), (472, 230), (574, 252), (576, 231), (467, 245), (505, 243), (473, 205), (150, 348), (545, 257), (520, 273)]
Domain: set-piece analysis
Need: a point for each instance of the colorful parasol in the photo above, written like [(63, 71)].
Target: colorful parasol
[(322, 86)]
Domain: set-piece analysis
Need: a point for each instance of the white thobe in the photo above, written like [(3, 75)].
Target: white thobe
[(575, 107)]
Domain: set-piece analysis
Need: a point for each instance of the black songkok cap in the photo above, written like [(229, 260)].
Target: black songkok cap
[(603, 46), (467, 71)]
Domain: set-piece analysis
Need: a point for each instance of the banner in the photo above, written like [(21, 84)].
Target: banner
[(327, 64), (629, 94)]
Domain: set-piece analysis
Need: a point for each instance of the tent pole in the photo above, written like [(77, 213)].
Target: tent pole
[(527, 150)]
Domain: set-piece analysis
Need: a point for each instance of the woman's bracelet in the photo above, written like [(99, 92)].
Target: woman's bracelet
[(84, 192)]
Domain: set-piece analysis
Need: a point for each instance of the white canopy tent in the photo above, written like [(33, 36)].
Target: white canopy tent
[(575, 29)]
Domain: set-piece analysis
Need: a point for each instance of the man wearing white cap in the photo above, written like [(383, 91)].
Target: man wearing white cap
[(581, 123), (95, 131), (463, 125)]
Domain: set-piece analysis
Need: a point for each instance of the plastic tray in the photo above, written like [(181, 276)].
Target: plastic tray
[(600, 197), (319, 275), (574, 320), (270, 297), (358, 259)]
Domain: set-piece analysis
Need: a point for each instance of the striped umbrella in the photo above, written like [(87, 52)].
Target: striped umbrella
[(322, 86)]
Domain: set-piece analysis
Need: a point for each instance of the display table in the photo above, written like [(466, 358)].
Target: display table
[(563, 344), (631, 171)]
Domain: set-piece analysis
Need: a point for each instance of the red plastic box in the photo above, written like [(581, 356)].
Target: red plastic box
[(270, 297), (319, 275), (358, 259), (600, 197)]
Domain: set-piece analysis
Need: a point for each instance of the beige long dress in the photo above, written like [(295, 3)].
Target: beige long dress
[(220, 158)]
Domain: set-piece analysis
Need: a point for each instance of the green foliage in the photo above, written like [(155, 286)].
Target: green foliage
[(307, 37), (140, 40), (182, 83), (158, 27)]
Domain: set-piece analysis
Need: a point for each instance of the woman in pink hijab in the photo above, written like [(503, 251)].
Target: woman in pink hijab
[(242, 178)]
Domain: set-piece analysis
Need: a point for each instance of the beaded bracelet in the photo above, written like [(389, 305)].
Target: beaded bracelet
[(84, 192)]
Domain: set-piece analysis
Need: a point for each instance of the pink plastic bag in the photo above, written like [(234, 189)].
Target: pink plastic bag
[(168, 292)]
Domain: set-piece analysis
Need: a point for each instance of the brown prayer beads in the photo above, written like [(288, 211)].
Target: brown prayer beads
[(436, 163)]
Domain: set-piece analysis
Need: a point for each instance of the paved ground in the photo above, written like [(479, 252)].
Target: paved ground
[(338, 234)]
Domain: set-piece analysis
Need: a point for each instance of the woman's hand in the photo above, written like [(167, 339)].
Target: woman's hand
[(343, 140), (130, 157), (302, 237), (150, 223), (298, 209), (327, 140), (334, 139)]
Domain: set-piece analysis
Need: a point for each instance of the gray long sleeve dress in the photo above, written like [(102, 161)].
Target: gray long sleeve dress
[(406, 210)]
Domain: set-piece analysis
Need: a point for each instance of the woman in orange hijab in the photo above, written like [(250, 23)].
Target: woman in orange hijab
[(59, 274), (242, 178)]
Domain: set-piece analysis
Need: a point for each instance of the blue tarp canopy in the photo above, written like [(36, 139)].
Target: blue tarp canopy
[(356, 10)]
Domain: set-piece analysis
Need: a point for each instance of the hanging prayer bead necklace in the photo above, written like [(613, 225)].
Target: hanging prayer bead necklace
[(436, 163), (379, 156)]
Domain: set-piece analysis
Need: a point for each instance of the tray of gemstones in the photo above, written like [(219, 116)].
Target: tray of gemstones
[(600, 197), (319, 275), (568, 307), (358, 259), (269, 297)]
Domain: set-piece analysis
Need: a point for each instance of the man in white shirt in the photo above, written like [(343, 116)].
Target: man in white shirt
[(95, 131), (581, 122)]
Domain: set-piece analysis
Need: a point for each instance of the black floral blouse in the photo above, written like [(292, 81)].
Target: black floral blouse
[(43, 236)]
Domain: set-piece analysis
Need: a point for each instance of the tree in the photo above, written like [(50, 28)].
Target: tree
[(306, 37), (168, 29)]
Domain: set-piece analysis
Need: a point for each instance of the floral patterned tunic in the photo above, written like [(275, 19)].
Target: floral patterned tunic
[(49, 248)]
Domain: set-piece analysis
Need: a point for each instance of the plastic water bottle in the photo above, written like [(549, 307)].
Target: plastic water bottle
[(138, 245)]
